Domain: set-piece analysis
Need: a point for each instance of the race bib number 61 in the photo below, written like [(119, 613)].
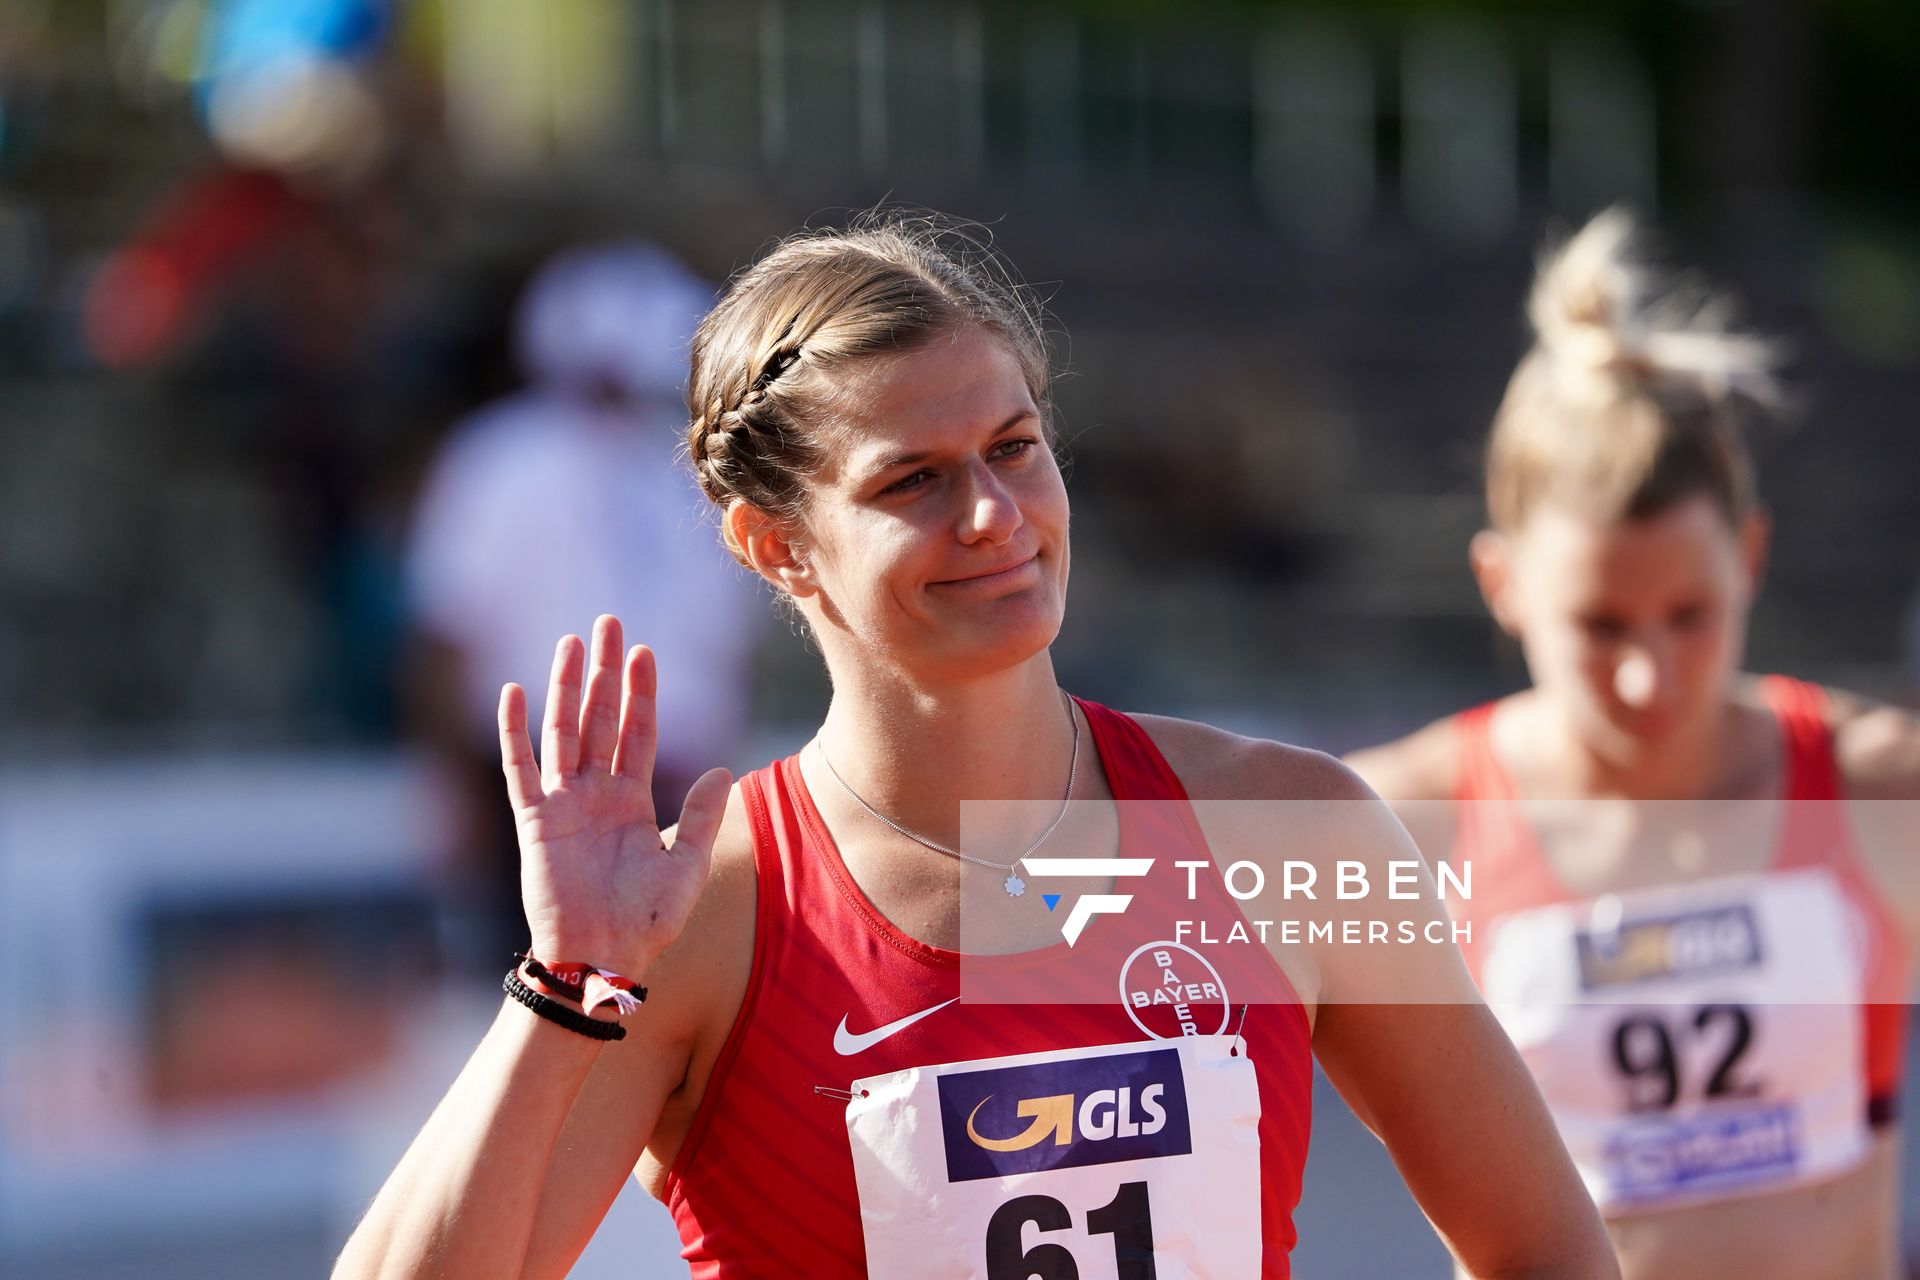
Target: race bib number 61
[(1134, 1161)]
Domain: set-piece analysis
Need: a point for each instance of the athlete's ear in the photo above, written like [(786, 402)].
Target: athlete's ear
[(1756, 539), (1491, 555), (770, 548)]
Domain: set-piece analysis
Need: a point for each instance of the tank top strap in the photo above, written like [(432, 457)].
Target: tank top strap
[(760, 790), (1509, 867), (1815, 828), (1136, 770), (1800, 708), (1480, 775)]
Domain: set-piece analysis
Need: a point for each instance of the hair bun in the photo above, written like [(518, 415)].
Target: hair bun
[(1608, 324)]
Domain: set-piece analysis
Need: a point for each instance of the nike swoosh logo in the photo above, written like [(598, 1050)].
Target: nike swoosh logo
[(846, 1044)]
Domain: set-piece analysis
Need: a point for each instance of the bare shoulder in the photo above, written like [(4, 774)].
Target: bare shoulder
[(1877, 750), (1424, 765), (1876, 746), (1215, 764), (1356, 830)]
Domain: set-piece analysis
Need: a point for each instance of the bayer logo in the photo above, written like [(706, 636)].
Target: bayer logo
[(1170, 990)]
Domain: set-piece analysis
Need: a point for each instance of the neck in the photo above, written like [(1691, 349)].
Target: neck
[(915, 753)]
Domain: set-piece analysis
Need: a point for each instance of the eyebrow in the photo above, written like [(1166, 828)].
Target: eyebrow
[(904, 459)]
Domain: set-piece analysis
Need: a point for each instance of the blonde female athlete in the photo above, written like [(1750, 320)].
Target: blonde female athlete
[(1714, 1008), (803, 1085)]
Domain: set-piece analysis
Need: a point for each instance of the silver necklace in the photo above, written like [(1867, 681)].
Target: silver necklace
[(1013, 884)]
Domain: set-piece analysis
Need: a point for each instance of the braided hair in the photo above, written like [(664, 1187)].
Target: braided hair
[(770, 362)]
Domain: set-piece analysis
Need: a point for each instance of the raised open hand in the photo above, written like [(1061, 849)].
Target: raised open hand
[(599, 884)]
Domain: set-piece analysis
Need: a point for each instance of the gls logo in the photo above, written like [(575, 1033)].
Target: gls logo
[(1088, 905), (1077, 1111), (1105, 1114)]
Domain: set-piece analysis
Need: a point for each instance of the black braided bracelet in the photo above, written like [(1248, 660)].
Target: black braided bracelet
[(540, 973), (555, 1012)]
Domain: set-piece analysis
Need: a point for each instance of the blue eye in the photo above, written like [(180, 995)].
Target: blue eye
[(1014, 448)]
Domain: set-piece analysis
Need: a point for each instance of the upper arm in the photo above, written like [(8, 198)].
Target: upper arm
[(1334, 823), (1404, 1036), (614, 1119), (1304, 816), (1402, 1033), (1443, 1088)]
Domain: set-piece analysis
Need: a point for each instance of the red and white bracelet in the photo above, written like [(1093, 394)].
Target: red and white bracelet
[(589, 985)]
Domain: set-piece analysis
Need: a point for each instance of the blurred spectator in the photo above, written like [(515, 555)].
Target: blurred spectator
[(296, 194), (255, 287), (561, 503)]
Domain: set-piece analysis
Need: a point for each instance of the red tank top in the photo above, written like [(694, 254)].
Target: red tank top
[(1511, 872), (763, 1184)]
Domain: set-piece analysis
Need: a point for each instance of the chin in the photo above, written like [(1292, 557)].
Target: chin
[(1005, 642), (1645, 732)]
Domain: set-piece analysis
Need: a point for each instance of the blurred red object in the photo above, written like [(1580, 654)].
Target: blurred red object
[(150, 294)]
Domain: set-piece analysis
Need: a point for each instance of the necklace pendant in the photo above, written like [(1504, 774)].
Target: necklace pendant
[(1015, 886)]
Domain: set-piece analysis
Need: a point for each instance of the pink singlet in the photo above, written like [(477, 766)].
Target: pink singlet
[(1709, 1038)]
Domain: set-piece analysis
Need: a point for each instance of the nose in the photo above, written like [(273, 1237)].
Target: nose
[(1644, 677), (988, 511)]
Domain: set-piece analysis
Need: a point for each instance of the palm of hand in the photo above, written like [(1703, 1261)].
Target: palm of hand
[(599, 883)]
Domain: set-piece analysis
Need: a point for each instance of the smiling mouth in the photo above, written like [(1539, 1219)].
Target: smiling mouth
[(989, 577)]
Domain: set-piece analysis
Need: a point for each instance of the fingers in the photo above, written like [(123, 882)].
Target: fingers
[(639, 730), (560, 732), (706, 805), (516, 752), (600, 717)]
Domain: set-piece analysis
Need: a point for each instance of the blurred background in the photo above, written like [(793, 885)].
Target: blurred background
[(309, 307)]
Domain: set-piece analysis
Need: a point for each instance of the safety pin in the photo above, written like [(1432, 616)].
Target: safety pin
[(828, 1091), (1234, 1051)]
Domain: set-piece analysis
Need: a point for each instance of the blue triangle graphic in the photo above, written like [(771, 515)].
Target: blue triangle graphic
[(1053, 900)]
